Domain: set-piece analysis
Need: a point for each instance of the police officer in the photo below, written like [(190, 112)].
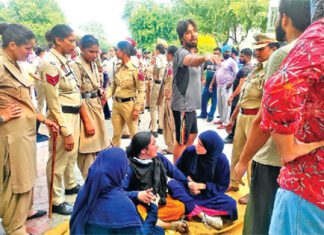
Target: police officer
[(158, 73), (64, 102), (249, 102), (17, 130), (127, 90), (93, 135)]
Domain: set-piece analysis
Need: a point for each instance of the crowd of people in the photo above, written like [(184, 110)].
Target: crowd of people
[(269, 99)]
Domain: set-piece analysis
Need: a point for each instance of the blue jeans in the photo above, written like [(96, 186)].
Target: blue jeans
[(205, 97), (294, 215)]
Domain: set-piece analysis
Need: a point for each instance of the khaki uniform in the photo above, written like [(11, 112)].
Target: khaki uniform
[(62, 94), (17, 148), (89, 80), (128, 93), (158, 74), (148, 81), (250, 98), (41, 104), (168, 121)]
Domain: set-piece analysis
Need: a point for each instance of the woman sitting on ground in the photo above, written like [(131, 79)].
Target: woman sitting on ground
[(149, 169), (102, 207), (207, 169)]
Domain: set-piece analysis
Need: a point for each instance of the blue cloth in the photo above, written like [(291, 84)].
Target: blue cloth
[(101, 200), (211, 169), (294, 215), (205, 97)]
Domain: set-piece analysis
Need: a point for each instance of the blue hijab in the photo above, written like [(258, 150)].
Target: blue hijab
[(205, 164), (101, 200)]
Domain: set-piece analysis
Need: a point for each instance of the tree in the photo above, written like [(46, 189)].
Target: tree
[(38, 15), (97, 30), (149, 20)]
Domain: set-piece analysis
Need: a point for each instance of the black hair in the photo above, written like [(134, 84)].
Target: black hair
[(298, 11), (88, 41), (140, 141), (160, 48), (39, 50), (218, 49), (183, 26), (16, 33), (275, 45), (172, 50), (317, 9), (234, 51), (58, 31), (247, 52), (126, 47)]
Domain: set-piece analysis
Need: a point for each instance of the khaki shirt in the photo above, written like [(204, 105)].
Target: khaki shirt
[(61, 88), (17, 136), (127, 83), (159, 67), (252, 89)]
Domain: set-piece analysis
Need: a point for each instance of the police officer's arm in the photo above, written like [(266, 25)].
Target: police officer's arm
[(139, 82), (89, 128), (192, 60), (51, 76), (11, 112), (111, 89)]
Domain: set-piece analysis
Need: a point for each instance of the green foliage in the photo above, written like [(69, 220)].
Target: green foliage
[(149, 20), (223, 19), (38, 15), (97, 30)]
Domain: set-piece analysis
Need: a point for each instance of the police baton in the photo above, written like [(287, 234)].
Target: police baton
[(52, 175)]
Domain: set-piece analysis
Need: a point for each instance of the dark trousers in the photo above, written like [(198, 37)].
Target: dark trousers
[(263, 191), (107, 111), (205, 97)]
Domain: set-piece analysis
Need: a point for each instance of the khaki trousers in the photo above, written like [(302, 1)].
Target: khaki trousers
[(154, 107), (14, 208), (65, 161), (161, 109), (168, 124), (40, 96), (122, 113), (84, 162), (243, 125), (148, 84)]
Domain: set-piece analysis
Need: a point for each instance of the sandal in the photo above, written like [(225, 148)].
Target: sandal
[(166, 152), (180, 226)]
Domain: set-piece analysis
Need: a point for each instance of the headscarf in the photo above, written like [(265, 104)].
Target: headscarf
[(101, 200), (214, 145)]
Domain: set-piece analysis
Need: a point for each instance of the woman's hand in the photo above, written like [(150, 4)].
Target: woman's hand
[(90, 130), (12, 111), (53, 126), (135, 114), (146, 196), (68, 143)]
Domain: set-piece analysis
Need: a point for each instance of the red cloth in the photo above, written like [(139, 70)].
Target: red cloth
[(293, 103)]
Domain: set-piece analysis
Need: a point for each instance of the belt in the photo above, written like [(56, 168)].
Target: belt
[(250, 111), (70, 109), (157, 81), (123, 100), (90, 95)]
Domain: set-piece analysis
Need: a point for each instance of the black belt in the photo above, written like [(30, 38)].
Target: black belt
[(157, 81), (90, 95), (70, 109), (123, 100)]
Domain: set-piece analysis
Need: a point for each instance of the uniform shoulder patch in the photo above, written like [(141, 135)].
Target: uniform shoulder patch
[(53, 80), (170, 71)]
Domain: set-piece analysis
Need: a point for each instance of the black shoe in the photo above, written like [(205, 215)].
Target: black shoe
[(72, 191), (202, 117), (228, 140), (125, 136), (155, 134), (63, 209), (160, 131)]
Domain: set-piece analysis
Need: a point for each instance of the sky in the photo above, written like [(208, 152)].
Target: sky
[(106, 12)]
